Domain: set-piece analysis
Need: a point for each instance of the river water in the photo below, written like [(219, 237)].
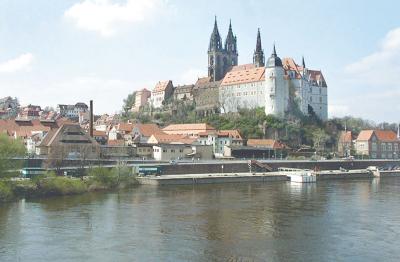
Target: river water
[(354, 220)]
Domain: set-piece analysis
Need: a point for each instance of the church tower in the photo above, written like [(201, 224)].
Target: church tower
[(215, 55), (258, 57), (221, 58)]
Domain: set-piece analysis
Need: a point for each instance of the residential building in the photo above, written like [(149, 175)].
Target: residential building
[(142, 132), (184, 93), (381, 144), (163, 138), (30, 112), (120, 131), (72, 111), (141, 99), (162, 92)]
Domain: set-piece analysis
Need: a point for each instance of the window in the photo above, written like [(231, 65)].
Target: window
[(165, 150), (374, 146), (383, 147), (180, 150), (389, 147)]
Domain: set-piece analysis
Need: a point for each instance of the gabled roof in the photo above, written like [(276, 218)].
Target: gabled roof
[(68, 134), (316, 75), (249, 75), (148, 129), (162, 85), (381, 135), (230, 133), (203, 80), (345, 137), (267, 143), (125, 127)]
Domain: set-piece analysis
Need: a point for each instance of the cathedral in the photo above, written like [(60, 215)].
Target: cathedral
[(272, 83)]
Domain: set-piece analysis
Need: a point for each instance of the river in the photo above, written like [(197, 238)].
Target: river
[(337, 220)]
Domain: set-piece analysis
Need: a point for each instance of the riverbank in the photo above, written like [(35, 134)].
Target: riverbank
[(48, 185)]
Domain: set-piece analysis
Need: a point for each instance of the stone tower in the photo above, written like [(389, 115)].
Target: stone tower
[(276, 88), (221, 59), (258, 57)]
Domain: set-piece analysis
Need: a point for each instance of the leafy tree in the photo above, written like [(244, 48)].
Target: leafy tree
[(10, 148), (129, 102)]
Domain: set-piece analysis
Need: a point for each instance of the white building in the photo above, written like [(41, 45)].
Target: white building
[(242, 87), (161, 92), (72, 111), (276, 87)]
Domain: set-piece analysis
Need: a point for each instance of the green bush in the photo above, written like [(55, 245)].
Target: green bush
[(104, 176), (50, 186), (6, 193)]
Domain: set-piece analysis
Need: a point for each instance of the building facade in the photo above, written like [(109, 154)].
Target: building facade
[(141, 99), (381, 144), (161, 93)]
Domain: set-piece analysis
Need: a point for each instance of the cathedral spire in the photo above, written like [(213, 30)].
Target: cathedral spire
[(215, 40), (303, 63), (258, 57), (230, 42)]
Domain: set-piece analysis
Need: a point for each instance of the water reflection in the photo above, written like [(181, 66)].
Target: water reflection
[(327, 221)]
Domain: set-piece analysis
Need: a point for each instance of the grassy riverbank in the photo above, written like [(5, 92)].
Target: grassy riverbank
[(51, 185)]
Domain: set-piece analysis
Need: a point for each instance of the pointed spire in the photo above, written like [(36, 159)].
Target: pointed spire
[(274, 60), (215, 40), (258, 57), (258, 45), (230, 42), (303, 63), (274, 51)]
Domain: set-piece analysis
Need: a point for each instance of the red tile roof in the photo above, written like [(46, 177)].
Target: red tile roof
[(381, 135), (26, 128), (162, 85), (148, 129), (268, 143), (248, 75), (230, 133), (202, 127)]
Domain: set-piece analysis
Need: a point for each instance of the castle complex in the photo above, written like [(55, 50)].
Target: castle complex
[(279, 85)]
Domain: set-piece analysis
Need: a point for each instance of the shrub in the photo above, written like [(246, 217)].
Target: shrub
[(60, 186), (104, 176), (6, 193)]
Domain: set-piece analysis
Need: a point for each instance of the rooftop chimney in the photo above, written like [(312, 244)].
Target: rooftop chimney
[(91, 119)]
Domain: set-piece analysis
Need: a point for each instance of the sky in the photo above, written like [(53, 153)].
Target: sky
[(67, 51)]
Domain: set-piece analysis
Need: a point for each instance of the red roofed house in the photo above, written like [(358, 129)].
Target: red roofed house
[(161, 92), (382, 144), (188, 129), (142, 132)]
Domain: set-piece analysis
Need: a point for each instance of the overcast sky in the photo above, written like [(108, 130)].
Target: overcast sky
[(67, 51)]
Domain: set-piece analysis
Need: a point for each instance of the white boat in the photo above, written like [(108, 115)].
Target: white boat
[(302, 177)]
